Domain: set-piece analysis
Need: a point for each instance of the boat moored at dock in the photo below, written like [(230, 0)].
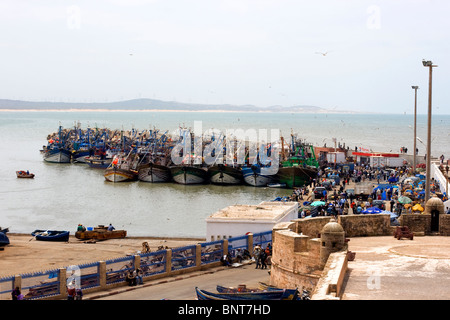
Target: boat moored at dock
[(254, 177), (225, 175), (189, 174), (152, 172)]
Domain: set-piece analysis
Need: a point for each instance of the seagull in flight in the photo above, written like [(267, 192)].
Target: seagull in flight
[(323, 53)]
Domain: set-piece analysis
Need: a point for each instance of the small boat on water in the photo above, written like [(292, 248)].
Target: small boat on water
[(282, 294), (100, 233), (51, 235), (4, 240), (24, 174)]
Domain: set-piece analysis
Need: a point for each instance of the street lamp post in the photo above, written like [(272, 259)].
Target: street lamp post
[(415, 128), (430, 65)]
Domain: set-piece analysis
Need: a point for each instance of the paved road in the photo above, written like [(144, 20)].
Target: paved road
[(183, 287)]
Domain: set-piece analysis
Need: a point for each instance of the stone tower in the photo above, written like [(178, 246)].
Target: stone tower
[(332, 239), (434, 207)]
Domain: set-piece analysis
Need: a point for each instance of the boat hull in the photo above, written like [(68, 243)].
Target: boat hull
[(80, 156), (189, 175), (154, 173), (100, 235), (24, 175), (224, 175), (95, 162), (4, 240), (283, 294), (114, 174), (51, 235), (294, 177), (253, 177), (58, 156)]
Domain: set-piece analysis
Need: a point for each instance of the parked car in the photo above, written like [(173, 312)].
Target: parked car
[(318, 192)]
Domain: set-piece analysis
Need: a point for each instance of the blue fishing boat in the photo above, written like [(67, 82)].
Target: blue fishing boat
[(283, 294), (51, 235), (254, 177), (56, 151), (4, 240)]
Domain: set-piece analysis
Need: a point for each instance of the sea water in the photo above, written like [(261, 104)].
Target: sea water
[(63, 195)]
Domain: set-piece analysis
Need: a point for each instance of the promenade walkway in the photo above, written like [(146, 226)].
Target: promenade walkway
[(384, 269)]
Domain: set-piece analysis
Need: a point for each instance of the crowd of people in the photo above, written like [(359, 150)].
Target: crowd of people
[(337, 200)]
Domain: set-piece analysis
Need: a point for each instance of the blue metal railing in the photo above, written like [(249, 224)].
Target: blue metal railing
[(153, 262), (183, 257), (46, 283), (211, 251)]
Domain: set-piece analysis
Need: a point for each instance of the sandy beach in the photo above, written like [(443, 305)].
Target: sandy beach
[(24, 254)]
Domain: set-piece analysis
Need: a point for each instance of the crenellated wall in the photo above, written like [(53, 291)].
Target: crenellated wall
[(295, 259)]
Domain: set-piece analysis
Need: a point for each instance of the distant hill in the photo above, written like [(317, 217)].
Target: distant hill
[(150, 104)]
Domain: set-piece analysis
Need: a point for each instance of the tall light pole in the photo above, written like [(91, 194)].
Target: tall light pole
[(430, 65), (415, 128)]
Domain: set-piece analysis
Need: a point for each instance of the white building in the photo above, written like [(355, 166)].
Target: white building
[(336, 157), (238, 220)]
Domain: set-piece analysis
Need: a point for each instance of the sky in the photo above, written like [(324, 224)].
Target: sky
[(256, 52)]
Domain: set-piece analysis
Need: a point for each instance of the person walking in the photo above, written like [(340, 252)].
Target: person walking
[(263, 258), (257, 256)]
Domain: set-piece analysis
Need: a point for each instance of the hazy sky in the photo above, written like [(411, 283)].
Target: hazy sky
[(259, 52)]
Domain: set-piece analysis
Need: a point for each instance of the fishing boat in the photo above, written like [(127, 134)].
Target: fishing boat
[(4, 240), (300, 169), (252, 176), (121, 169), (24, 174), (98, 162), (100, 233), (240, 288), (295, 176), (225, 175), (51, 235), (57, 154), (189, 174), (283, 294), (151, 172), (56, 151), (117, 174)]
